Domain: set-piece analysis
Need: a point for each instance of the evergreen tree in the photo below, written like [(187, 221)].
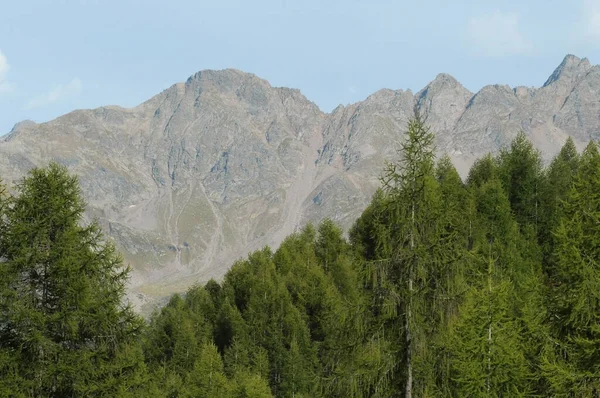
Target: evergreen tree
[(3, 202), (488, 344), (448, 282), (488, 288), (520, 170), (557, 184), (573, 368), (207, 378), (408, 240), (482, 171), (489, 359), (63, 324), (367, 235), (175, 336), (247, 385)]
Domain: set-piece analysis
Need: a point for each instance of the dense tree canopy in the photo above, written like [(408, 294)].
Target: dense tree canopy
[(63, 328), (444, 288)]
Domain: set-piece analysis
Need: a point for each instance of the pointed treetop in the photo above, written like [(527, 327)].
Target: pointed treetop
[(445, 170), (590, 151), (569, 150), (483, 170)]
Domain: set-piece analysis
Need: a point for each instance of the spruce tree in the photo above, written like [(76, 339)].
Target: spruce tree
[(63, 322)]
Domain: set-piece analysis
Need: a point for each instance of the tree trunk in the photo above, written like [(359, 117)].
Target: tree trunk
[(489, 353), (409, 375)]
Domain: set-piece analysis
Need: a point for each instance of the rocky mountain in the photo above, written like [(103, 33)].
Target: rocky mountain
[(223, 164)]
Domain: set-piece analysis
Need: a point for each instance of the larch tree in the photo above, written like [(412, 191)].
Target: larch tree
[(573, 367), (410, 236), (488, 348), (558, 179), (62, 316), (520, 170)]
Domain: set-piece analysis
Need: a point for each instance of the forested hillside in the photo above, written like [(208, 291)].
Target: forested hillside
[(488, 287)]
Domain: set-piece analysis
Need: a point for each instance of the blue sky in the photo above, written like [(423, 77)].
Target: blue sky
[(56, 56)]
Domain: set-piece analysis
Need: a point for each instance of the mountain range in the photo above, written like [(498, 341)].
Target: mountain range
[(224, 164)]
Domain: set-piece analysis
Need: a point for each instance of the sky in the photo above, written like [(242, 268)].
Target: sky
[(57, 56)]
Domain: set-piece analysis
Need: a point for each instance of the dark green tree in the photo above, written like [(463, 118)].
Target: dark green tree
[(63, 324)]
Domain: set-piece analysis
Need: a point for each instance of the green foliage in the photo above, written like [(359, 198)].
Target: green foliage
[(444, 288), (482, 171), (559, 177), (63, 327), (489, 355), (487, 340), (520, 170), (573, 368)]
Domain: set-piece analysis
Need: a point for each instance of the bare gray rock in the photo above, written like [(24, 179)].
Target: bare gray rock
[(223, 164)]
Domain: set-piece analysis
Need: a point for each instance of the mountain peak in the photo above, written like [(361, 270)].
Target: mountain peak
[(443, 82), (571, 68), (223, 76), (445, 78), (20, 125)]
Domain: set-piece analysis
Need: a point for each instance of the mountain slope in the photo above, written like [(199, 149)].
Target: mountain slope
[(223, 164)]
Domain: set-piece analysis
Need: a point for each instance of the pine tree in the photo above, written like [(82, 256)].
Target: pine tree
[(62, 321)]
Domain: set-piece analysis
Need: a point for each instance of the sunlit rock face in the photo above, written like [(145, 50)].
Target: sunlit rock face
[(223, 164)]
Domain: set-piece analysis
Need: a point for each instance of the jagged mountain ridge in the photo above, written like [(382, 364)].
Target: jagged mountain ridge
[(224, 163)]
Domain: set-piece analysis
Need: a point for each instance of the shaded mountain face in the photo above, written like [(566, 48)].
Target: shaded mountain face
[(223, 164)]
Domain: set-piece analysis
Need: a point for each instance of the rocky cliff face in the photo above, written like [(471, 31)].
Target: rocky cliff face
[(224, 164)]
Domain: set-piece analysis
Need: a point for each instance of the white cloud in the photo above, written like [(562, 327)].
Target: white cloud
[(497, 35), (58, 93), (591, 15), (5, 85)]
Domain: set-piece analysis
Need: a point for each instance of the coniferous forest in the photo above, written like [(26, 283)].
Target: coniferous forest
[(488, 287)]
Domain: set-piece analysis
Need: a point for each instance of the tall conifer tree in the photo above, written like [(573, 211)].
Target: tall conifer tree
[(488, 344), (62, 317), (574, 367), (410, 235)]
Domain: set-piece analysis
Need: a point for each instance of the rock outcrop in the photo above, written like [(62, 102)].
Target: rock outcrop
[(223, 164)]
